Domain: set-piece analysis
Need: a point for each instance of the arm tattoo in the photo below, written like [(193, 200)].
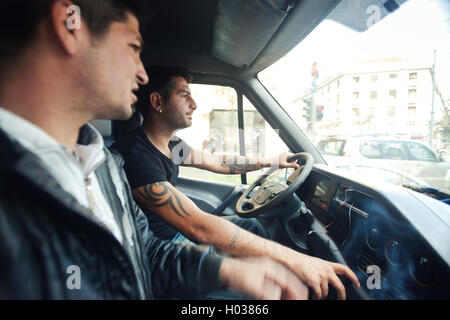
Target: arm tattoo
[(241, 167), (234, 239), (162, 198)]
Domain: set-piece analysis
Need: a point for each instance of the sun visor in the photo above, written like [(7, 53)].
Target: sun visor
[(243, 28)]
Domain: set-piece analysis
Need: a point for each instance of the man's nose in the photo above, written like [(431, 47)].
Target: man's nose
[(193, 105), (141, 75)]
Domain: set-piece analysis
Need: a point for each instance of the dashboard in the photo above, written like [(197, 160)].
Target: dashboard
[(397, 241)]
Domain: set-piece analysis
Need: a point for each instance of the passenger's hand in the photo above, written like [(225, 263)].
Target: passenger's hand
[(318, 273), (262, 279), (281, 161)]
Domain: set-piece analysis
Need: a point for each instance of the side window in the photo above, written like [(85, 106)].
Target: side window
[(261, 140), (393, 151), (370, 149), (215, 128), (420, 153)]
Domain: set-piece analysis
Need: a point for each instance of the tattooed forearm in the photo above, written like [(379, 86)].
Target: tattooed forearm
[(160, 195), (234, 239), (240, 168), (237, 168)]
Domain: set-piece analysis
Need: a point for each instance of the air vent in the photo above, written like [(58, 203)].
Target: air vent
[(392, 288), (367, 258)]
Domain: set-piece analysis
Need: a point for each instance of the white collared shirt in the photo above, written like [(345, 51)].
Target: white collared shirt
[(74, 171)]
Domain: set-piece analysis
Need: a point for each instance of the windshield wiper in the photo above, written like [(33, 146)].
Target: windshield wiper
[(435, 193)]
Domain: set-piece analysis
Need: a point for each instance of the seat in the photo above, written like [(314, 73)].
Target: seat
[(122, 128), (105, 129), (113, 130)]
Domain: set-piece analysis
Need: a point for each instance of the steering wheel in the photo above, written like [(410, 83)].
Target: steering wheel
[(271, 193)]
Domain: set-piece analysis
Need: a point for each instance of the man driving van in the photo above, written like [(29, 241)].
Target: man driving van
[(152, 155)]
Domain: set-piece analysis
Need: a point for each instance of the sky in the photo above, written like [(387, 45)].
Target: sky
[(412, 33)]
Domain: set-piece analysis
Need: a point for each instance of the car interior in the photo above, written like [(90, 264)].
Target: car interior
[(319, 211)]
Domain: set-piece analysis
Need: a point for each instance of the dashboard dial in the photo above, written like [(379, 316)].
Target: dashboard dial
[(393, 252), (373, 238), (423, 271)]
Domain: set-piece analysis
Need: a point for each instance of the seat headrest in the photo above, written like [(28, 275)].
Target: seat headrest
[(103, 126)]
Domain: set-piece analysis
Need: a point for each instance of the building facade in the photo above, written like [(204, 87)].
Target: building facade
[(380, 98)]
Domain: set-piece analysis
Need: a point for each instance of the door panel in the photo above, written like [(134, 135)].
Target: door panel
[(213, 197)]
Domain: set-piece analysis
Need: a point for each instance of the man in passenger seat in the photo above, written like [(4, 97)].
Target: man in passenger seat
[(152, 154), (69, 228)]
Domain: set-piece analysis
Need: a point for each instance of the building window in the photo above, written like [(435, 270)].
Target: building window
[(337, 99), (393, 94), (356, 79), (412, 113), (374, 78), (355, 112), (391, 112), (412, 75), (373, 95), (337, 84), (412, 93), (393, 76)]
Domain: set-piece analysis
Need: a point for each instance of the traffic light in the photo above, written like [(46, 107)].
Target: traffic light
[(308, 109), (319, 113)]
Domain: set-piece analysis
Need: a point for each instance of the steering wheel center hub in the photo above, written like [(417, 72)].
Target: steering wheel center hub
[(267, 191), (272, 193)]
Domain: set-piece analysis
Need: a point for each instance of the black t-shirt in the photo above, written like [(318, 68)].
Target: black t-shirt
[(145, 164)]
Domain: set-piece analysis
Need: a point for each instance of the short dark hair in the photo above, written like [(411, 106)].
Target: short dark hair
[(19, 21), (161, 82)]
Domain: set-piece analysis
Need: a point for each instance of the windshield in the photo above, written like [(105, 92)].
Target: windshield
[(374, 101)]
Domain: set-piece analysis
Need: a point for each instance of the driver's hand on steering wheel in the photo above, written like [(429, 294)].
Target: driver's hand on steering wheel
[(281, 161)]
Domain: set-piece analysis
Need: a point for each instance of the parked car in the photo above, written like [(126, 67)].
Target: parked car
[(410, 158)]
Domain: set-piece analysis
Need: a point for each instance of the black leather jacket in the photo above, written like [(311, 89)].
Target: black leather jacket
[(44, 231)]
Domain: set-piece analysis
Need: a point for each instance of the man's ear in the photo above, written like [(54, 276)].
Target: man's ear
[(156, 101), (68, 26)]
